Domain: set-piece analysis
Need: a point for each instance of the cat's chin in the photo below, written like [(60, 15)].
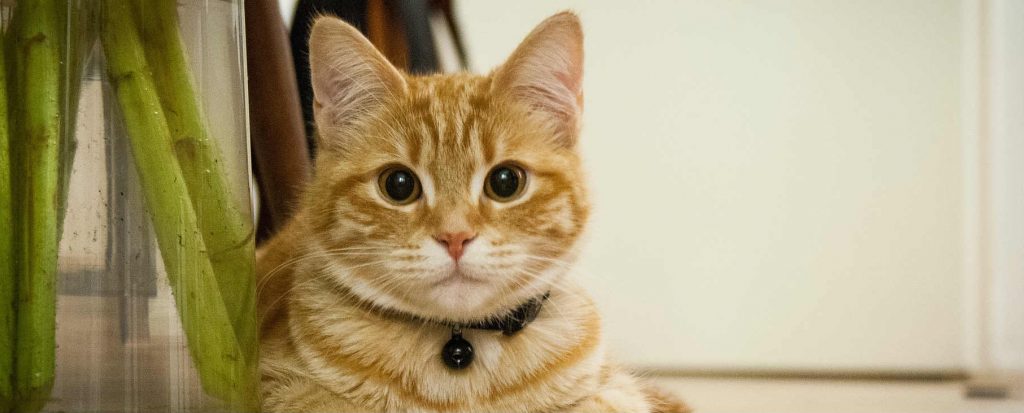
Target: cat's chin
[(463, 298), (459, 297)]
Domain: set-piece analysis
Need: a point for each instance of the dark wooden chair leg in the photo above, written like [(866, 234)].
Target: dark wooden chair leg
[(279, 147)]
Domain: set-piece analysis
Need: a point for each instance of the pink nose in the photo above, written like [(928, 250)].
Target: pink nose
[(455, 242)]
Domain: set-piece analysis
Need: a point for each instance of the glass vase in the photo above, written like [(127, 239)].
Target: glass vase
[(128, 282)]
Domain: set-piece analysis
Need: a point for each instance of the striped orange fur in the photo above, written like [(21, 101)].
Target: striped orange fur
[(347, 287)]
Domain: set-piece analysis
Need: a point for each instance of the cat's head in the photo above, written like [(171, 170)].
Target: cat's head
[(451, 197)]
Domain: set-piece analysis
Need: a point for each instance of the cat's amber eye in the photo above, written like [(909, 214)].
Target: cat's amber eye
[(505, 182), (399, 185)]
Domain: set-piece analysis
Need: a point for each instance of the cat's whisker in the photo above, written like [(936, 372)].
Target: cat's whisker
[(305, 282), (535, 276), (263, 281), (569, 266), (352, 299), (314, 253)]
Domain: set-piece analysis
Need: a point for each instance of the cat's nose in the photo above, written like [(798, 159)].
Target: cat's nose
[(455, 242)]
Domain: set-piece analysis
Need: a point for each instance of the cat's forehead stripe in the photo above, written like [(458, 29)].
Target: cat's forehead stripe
[(444, 139)]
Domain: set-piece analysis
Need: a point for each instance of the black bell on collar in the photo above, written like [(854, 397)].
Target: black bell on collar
[(457, 352)]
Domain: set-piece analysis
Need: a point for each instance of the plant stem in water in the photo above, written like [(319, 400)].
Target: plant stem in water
[(37, 30), (216, 352), (226, 226), (7, 286)]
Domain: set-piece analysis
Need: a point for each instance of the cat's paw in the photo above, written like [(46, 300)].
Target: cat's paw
[(662, 401)]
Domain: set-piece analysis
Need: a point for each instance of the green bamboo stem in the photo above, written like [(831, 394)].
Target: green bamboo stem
[(7, 286), (38, 32), (78, 45), (216, 352), (226, 226)]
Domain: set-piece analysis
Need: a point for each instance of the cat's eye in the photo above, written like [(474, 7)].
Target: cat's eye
[(399, 185), (505, 182)]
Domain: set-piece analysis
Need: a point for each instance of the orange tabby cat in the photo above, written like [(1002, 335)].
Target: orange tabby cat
[(440, 205)]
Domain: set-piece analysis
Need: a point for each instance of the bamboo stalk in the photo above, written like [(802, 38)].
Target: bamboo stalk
[(7, 286), (37, 34), (216, 352), (226, 226), (73, 61)]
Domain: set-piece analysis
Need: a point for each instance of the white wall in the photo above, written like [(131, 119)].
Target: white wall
[(1005, 145), (779, 185)]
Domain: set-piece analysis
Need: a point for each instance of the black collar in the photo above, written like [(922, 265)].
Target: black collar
[(516, 320), (457, 353)]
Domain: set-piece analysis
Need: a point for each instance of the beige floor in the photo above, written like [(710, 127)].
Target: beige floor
[(720, 395)]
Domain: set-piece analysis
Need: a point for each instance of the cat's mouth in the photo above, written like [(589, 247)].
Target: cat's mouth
[(458, 277)]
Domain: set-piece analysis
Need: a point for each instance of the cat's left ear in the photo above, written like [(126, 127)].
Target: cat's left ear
[(546, 73), (350, 77)]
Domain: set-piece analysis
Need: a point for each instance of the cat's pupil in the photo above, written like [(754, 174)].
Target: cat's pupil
[(504, 182), (400, 185)]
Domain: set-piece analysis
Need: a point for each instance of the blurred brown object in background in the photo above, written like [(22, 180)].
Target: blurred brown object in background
[(385, 31), (409, 32), (280, 154)]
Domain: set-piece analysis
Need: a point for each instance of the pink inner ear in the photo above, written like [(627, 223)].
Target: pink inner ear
[(555, 92), (338, 98), (547, 100), (573, 82)]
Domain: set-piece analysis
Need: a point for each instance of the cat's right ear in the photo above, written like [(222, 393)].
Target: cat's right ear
[(546, 74), (350, 77)]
